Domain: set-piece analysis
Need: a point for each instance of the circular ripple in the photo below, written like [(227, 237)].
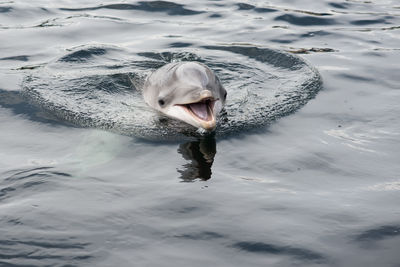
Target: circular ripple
[(94, 87)]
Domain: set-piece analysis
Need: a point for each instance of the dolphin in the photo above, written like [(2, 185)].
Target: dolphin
[(187, 91)]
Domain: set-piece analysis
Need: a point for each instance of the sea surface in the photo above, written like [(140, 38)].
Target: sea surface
[(317, 186)]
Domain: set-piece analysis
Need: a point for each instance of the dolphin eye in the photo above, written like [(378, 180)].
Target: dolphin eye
[(161, 102), (225, 95)]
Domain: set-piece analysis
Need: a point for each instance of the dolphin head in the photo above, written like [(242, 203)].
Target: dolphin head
[(187, 91)]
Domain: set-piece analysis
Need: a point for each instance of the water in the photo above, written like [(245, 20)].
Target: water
[(318, 187), (102, 92)]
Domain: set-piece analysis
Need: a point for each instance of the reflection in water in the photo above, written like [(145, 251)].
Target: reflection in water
[(200, 154)]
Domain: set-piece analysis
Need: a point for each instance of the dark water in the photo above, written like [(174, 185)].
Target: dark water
[(318, 187)]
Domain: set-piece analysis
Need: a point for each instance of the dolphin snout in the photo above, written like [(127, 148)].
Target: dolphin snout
[(206, 94)]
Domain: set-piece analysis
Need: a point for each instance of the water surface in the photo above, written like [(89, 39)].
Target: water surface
[(317, 187)]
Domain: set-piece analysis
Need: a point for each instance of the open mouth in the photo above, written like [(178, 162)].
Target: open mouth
[(201, 110)]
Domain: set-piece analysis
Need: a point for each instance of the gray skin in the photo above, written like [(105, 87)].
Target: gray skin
[(187, 91)]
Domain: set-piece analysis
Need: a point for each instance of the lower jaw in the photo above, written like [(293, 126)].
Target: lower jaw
[(208, 125), (202, 125)]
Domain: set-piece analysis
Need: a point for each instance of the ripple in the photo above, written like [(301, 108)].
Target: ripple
[(315, 34), (28, 180), (5, 9), (340, 5), (60, 22), (45, 244), (368, 22), (14, 101), (355, 77), (201, 236), (365, 29), (16, 58), (379, 233), (305, 20), (170, 8), (264, 84), (83, 55), (215, 15), (313, 49), (180, 44), (265, 248), (245, 6), (48, 251)]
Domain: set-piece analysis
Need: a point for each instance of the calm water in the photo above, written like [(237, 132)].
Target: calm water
[(319, 187)]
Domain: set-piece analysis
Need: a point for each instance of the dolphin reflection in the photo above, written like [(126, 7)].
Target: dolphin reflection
[(200, 156)]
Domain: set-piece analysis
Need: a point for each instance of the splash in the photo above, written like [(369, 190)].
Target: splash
[(100, 87)]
